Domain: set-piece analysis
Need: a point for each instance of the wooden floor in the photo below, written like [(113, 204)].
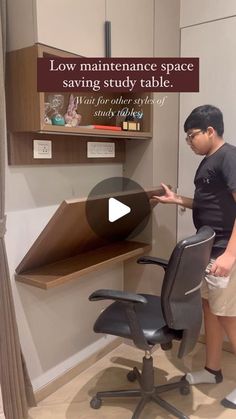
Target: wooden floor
[(72, 400)]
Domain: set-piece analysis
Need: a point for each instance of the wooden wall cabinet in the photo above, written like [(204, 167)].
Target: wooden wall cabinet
[(25, 110)]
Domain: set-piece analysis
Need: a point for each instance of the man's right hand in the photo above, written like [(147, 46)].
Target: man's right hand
[(169, 197)]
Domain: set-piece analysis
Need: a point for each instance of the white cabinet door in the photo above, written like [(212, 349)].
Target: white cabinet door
[(78, 26), (194, 12), (215, 44), (73, 25), (131, 27)]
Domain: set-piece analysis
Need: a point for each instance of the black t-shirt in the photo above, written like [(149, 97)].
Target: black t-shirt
[(213, 202)]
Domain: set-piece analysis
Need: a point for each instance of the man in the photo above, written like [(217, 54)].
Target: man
[(214, 204)]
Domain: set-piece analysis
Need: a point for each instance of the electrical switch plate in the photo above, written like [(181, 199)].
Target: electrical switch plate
[(100, 150), (42, 149)]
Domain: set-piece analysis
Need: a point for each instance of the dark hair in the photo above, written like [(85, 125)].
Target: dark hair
[(205, 116)]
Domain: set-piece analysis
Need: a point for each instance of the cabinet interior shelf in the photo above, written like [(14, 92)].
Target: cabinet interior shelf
[(95, 132)]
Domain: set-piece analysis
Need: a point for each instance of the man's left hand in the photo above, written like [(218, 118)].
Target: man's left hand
[(223, 264)]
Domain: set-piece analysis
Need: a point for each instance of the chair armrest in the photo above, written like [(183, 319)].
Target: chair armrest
[(105, 294), (128, 300), (153, 260)]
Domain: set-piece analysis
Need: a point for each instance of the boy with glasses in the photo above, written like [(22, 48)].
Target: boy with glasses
[(214, 204)]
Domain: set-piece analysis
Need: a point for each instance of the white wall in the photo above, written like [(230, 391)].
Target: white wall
[(55, 326), (193, 12), (54, 330), (50, 326)]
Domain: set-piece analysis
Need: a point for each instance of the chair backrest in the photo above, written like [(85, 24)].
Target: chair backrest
[(180, 294)]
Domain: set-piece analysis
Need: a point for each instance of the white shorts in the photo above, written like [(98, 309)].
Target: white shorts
[(220, 293)]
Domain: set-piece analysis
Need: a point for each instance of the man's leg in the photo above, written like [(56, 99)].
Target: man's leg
[(229, 325), (222, 302), (214, 333)]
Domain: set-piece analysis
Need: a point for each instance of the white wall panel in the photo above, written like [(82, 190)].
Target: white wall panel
[(198, 11)]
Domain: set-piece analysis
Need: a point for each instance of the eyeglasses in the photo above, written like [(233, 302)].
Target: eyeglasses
[(190, 137)]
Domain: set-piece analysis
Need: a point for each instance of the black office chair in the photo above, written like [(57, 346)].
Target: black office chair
[(149, 319)]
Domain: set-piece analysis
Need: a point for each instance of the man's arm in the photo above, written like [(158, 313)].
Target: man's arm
[(224, 263), (184, 201)]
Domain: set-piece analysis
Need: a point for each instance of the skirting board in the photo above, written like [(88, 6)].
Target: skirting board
[(226, 345), (102, 347)]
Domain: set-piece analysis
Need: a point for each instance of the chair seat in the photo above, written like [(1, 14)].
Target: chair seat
[(113, 321)]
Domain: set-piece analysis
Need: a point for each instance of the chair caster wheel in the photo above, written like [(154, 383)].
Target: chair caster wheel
[(184, 390), (95, 403), (131, 376)]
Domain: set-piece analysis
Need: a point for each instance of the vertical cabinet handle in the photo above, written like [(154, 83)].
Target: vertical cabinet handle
[(107, 39)]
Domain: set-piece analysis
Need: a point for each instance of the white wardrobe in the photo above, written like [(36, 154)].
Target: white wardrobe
[(208, 32)]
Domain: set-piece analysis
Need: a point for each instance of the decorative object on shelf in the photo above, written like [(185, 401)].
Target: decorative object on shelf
[(56, 103), (132, 122), (47, 109), (138, 115), (103, 127), (72, 118), (131, 126)]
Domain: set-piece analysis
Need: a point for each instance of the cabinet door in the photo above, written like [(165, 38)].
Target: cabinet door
[(74, 25), (131, 27), (194, 12), (217, 87)]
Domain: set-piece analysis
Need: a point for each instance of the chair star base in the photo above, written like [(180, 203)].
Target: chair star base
[(147, 391)]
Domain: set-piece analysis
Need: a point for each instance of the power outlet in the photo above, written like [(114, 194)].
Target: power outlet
[(99, 150), (42, 149)]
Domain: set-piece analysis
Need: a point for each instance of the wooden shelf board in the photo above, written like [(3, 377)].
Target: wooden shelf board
[(58, 273), (87, 132), (68, 248)]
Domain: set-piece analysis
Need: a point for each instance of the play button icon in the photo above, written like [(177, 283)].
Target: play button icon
[(116, 210)]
